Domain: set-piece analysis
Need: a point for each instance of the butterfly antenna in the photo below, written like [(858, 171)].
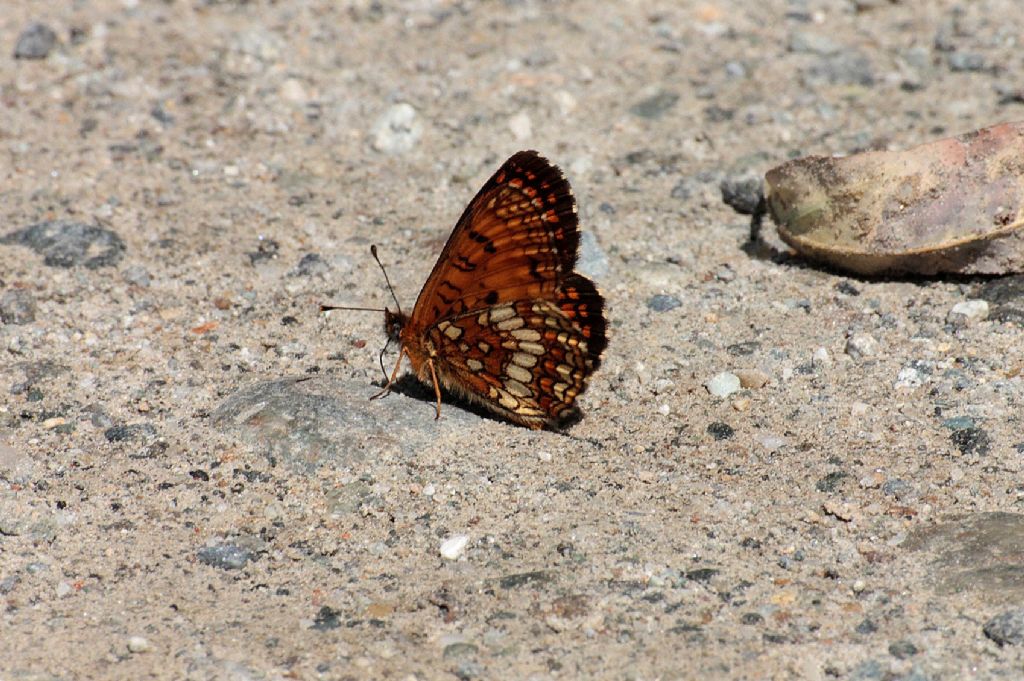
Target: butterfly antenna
[(373, 252), (328, 308)]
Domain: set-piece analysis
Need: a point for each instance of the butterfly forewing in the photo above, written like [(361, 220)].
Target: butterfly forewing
[(503, 320), (514, 241)]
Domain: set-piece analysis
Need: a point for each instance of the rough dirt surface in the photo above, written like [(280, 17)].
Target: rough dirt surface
[(193, 483)]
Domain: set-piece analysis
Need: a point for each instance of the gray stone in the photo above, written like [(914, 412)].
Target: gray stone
[(67, 244), (655, 106), (968, 312), (307, 422), (661, 302), (137, 275), (981, 553), (310, 265), (813, 43), (1006, 628), (848, 67), (1006, 297), (35, 42), (965, 61), (225, 556), (17, 307)]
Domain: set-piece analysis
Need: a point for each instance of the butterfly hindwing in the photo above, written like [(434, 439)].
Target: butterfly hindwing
[(527, 360)]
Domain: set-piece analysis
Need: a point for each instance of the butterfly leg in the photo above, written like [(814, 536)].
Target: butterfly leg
[(394, 375), (437, 387)]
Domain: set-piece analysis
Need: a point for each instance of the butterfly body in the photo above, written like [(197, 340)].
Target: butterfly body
[(503, 320)]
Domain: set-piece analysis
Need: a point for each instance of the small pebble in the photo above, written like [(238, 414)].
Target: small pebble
[(873, 481), (397, 130), (720, 430), (17, 306), (225, 556), (1006, 628), (723, 384), (725, 274), (965, 61), (902, 650), (840, 510), (861, 345), (821, 358), (655, 106), (521, 126), (138, 644), (968, 312), (752, 378), (137, 275), (909, 377), (663, 303), (292, 90), (813, 43), (772, 442), (454, 546), (35, 42)]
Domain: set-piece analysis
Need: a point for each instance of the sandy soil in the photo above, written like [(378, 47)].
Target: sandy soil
[(193, 483)]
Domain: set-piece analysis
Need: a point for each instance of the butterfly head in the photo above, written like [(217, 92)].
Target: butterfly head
[(394, 322)]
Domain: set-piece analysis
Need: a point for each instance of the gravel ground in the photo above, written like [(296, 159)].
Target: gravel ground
[(193, 483)]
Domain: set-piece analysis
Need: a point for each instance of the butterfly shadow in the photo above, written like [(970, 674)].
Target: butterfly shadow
[(409, 386)]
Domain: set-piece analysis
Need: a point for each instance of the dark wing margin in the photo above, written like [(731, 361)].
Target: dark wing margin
[(581, 302)]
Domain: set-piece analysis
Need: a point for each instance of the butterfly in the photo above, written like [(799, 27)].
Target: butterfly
[(503, 320)]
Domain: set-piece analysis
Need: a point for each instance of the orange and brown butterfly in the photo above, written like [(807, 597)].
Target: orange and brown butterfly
[(503, 320)]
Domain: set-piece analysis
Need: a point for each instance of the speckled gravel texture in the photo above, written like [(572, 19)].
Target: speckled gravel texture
[(193, 483)]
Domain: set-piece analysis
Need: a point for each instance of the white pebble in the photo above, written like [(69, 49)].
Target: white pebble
[(397, 130), (521, 126), (429, 490), (293, 91), (821, 358), (138, 644), (723, 384), (453, 547), (772, 442), (544, 456), (861, 345), (967, 312), (909, 377), (565, 101)]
